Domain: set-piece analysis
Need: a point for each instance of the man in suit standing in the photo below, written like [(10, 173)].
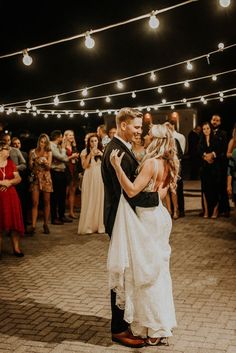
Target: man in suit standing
[(129, 125), (224, 208)]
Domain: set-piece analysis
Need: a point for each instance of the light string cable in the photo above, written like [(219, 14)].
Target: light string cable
[(154, 12), (182, 82), (195, 99), (206, 55)]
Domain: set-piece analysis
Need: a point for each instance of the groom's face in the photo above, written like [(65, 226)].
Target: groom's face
[(132, 128)]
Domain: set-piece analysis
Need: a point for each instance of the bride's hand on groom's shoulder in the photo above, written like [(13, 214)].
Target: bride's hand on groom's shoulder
[(115, 159)]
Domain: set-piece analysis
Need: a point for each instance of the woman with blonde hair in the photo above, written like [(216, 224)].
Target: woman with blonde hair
[(40, 160), (71, 170), (139, 253)]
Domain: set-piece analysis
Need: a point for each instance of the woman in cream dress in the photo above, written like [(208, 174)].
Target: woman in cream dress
[(139, 253), (92, 193)]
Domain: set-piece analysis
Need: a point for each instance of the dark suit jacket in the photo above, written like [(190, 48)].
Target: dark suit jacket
[(112, 186)]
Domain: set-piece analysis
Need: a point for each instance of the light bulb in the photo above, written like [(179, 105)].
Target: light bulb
[(172, 107), (52, 112), (34, 108), (189, 66), (85, 92), (58, 116), (82, 103), (66, 112), (56, 100), (221, 46), (133, 95), (202, 99), (100, 114), (214, 77), (89, 41), (13, 110), (38, 111), (119, 84), (153, 76), (156, 107), (164, 101), (27, 111), (224, 3), (221, 99), (153, 21), (184, 100), (71, 115), (28, 104), (188, 104), (19, 112), (159, 90), (86, 115), (1, 109), (27, 59), (45, 116), (108, 99), (205, 101), (186, 84), (221, 94), (34, 114)]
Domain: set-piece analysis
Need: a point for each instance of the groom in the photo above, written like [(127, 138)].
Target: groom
[(129, 125)]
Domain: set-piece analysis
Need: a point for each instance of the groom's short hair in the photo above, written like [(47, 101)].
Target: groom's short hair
[(126, 114)]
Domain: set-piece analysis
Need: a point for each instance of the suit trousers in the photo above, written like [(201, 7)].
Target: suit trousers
[(58, 196)]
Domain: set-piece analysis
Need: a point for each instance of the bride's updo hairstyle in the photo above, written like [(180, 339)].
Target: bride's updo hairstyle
[(163, 146)]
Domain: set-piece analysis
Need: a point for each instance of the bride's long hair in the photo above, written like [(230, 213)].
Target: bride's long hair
[(163, 146)]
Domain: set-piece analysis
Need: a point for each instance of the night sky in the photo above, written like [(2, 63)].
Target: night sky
[(185, 32)]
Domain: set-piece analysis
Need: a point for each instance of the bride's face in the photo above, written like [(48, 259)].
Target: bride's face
[(147, 140)]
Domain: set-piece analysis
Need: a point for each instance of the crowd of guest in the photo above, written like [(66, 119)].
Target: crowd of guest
[(54, 172)]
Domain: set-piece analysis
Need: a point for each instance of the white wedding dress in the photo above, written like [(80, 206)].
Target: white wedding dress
[(138, 267)]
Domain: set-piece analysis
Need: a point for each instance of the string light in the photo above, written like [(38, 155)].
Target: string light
[(208, 59), (221, 46), (108, 99), (186, 84), (188, 104), (82, 103), (71, 115), (189, 66), (127, 78), (119, 84), (221, 99), (89, 41), (163, 101), (58, 116), (184, 100), (172, 106), (1, 109), (159, 90), (85, 92), (28, 104), (46, 116), (56, 100), (81, 35), (34, 108), (221, 94), (86, 115), (153, 76), (27, 111), (214, 77), (133, 95), (27, 59), (224, 3), (153, 21)]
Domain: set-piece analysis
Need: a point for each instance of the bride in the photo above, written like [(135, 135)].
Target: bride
[(139, 253)]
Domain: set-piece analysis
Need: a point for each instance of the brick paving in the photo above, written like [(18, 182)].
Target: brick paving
[(56, 300)]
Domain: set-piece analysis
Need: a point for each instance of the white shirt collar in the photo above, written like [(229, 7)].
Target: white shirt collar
[(127, 144)]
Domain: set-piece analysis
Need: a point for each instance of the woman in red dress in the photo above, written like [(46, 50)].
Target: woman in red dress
[(11, 219)]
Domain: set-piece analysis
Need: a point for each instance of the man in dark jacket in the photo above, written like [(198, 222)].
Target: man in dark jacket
[(129, 125)]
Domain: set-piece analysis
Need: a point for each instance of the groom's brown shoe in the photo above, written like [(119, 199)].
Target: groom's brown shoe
[(127, 339)]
